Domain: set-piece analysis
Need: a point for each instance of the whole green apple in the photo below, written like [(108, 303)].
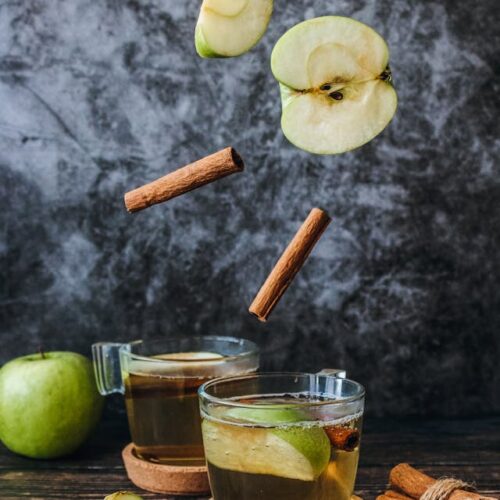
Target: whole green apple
[(49, 404)]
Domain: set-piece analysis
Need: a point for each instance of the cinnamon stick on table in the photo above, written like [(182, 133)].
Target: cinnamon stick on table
[(201, 172), (393, 495), (289, 263), (414, 483)]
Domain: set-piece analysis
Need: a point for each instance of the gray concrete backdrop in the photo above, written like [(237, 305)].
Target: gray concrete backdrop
[(403, 290)]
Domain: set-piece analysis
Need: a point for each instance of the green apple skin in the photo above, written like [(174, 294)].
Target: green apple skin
[(49, 404), (202, 47), (123, 495)]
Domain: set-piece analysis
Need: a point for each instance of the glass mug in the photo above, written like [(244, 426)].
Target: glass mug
[(160, 380), (282, 436)]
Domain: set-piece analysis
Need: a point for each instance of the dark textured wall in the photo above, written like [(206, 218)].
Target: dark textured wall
[(403, 290)]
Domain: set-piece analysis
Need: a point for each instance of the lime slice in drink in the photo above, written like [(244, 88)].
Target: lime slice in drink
[(290, 451)]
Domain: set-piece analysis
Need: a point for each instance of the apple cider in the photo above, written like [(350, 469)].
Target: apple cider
[(164, 418), (281, 447), (161, 398)]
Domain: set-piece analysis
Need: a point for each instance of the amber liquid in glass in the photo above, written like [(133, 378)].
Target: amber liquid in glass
[(164, 418), (163, 409), (289, 476)]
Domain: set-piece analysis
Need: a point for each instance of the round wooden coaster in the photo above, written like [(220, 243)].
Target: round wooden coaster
[(167, 479)]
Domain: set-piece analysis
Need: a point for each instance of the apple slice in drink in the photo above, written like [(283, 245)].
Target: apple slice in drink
[(288, 450), (191, 364), (190, 356), (335, 83), (228, 28)]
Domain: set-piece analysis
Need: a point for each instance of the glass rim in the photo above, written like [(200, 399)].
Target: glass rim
[(205, 397), (252, 349)]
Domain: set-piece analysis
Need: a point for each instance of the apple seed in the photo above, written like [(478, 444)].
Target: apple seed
[(338, 96), (386, 75)]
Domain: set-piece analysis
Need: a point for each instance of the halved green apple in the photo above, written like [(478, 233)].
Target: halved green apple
[(335, 83), (228, 28)]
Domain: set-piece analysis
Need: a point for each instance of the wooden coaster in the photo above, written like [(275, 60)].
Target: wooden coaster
[(167, 479)]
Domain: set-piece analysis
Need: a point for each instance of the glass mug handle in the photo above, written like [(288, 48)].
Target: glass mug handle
[(107, 369), (333, 372)]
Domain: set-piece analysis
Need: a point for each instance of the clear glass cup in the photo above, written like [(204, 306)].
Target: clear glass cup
[(282, 436), (160, 380)]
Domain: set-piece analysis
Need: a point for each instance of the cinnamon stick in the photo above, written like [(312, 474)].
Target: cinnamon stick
[(393, 495), (289, 263), (343, 438), (192, 176), (414, 484)]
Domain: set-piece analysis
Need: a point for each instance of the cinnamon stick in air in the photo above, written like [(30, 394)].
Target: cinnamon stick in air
[(289, 263), (192, 176)]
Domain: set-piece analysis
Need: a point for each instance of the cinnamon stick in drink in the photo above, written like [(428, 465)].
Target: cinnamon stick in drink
[(414, 483), (343, 438), (289, 263), (192, 176)]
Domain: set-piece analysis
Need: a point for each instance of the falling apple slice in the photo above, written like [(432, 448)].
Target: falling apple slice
[(335, 84), (228, 28)]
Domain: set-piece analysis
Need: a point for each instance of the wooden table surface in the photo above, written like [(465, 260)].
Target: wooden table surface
[(468, 449)]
